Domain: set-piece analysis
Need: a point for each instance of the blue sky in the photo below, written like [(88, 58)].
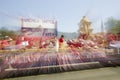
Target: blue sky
[(68, 13)]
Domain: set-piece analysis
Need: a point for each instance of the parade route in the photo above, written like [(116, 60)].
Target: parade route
[(108, 73)]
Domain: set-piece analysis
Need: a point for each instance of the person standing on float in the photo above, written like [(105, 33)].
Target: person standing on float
[(61, 41)]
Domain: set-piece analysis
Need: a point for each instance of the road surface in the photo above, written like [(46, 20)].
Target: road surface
[(108, 73)]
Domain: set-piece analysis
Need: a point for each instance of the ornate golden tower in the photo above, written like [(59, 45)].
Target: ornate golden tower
[(85, 27)]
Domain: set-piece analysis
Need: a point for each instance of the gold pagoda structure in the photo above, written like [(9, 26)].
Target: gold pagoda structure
[(85, 27)]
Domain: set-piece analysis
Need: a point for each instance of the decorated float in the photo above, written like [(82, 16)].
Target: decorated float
[(37, 50)]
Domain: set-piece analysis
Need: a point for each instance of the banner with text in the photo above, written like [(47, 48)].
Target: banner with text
[(39, 27)]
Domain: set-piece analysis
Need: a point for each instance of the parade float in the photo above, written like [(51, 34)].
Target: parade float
[(37, 50)]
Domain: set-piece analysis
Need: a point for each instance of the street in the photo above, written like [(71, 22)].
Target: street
[(108, 73)]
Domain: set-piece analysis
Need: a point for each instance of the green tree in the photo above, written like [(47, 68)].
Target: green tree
[(113, 25), (5, 32)]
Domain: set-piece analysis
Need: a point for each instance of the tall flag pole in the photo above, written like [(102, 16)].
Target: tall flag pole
[(102, 27), (21, 23), (56, 30), (102, 32)]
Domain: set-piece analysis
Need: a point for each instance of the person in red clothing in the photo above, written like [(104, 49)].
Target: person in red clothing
[(20, 39), (61, 41), (4, 42)]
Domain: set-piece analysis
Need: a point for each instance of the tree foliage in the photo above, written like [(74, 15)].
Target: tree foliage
[(5, 32), (113, 25)]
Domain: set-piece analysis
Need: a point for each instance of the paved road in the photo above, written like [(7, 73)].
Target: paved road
[(109, 73)]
